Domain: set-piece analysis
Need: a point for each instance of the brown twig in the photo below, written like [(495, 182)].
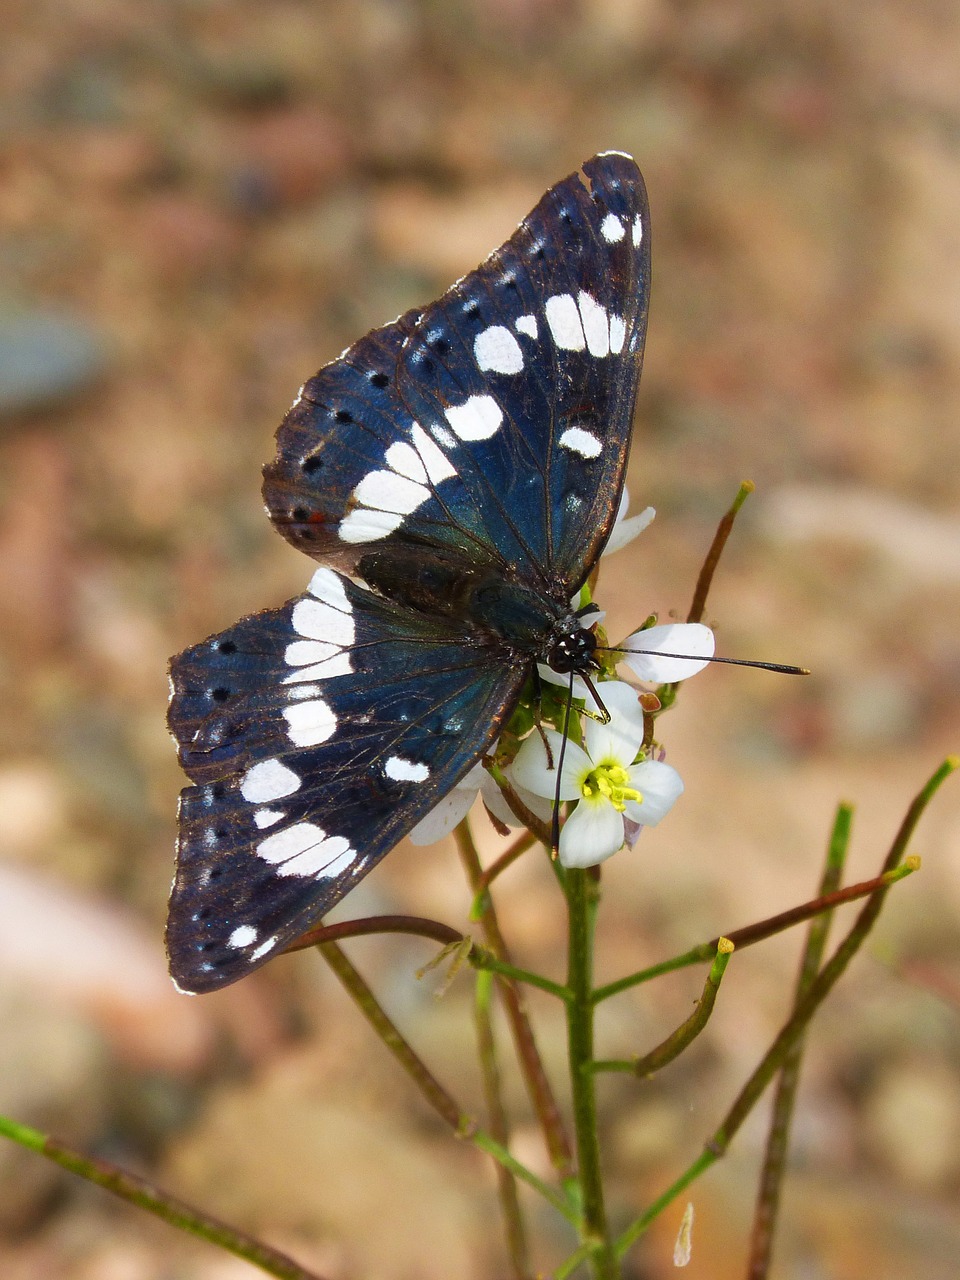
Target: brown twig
[(416, 925), (712, 558)]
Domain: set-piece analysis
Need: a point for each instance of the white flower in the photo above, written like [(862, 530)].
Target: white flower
[(625, 530), (602, 777), (648, 653), (456, 804)]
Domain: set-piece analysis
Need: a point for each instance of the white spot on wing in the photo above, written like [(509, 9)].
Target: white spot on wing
[(402, 770), (301, 691), (579, 441), (527, 325), (338, 665), (310, 723), (618, 332), (612, 229), (268, 817), (437, 463), (364, 525), (299, 652), (563, 317), (306, 850), (268, 780), (263, 948), (328, 587), (446, 438), (317, 620), (242, 936), (478, 418), (386, 491), (405, 461), (596, 326), (497, 350), (637, 230)]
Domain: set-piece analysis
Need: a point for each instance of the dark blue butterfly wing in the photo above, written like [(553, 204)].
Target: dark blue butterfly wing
[(479, 443), (317, 735), (495, 423)]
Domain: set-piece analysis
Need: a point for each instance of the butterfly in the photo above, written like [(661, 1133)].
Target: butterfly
[(456, 474)]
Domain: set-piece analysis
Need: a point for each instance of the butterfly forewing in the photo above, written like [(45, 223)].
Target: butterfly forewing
[(495, 423), (317, 735)]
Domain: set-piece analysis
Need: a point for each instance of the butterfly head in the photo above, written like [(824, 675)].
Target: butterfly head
[(571, 647)]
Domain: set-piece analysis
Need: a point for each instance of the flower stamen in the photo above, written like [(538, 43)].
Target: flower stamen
[(611, 781)]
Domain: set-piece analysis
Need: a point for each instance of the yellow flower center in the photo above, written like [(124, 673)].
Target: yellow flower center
[(610, 781)]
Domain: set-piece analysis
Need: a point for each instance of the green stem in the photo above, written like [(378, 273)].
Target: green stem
[(528, 1055), (687, 1032), (434, 1092), (486, 1142), (462, 1124), (582, 900), (804, 1009), (775, 1156), (499, 1129), (759, 932), (486, 960), (138, 1191)]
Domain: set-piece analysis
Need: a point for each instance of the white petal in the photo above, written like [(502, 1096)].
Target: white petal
[(592, 833), (451, 810), (496, 802), (549, 676), (442, 819), (619, 740), (529, 769), (625, 531), (660, 785), (653, 664)]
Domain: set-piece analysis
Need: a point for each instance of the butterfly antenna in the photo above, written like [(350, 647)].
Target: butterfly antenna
[(781, 667)]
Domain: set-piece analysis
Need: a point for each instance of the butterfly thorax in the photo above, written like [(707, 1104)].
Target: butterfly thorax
[(496, 611)]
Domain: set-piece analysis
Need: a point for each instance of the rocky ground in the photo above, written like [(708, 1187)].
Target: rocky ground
[(200, 204)]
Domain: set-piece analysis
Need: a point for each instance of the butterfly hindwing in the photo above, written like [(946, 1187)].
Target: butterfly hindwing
[(317, 735), (495, 423)]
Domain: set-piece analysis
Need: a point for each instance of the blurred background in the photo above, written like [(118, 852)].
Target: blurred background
[(202, 202)]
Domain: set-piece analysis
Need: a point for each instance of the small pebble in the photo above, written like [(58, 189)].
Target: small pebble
[(45, 358)]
